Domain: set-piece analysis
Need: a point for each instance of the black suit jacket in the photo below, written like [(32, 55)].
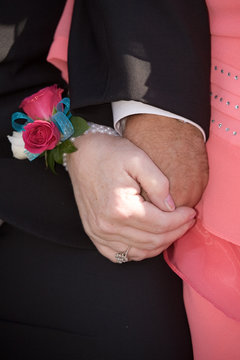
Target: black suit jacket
[(152, 51)]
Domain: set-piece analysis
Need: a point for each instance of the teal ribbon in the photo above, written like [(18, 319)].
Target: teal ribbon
[(61, 119), (17, 116), (30, 155)]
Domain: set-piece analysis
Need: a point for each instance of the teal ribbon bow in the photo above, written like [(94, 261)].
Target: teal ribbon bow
[(61, 119)]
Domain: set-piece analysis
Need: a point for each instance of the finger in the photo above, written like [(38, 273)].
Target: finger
[(145, 216), (110, 253), (139, 254), (153, 182), (140, 240), (136, 254), (158, 221), (142, 231)]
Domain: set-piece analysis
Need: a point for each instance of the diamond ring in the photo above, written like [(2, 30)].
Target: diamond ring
[(122, 256)]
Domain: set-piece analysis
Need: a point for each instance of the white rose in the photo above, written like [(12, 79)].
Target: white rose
[(17, 145)]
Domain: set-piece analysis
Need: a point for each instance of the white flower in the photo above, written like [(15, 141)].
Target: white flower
[(17, 143)]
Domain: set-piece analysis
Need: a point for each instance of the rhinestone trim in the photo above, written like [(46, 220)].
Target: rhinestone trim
[(222, 71), (227, 129), (216, 96)]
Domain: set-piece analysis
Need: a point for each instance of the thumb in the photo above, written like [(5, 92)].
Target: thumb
[(154, 184)]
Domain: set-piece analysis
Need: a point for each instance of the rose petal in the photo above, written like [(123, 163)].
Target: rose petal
[(17, 145), (40, 105), (40, 136), (16, 139)]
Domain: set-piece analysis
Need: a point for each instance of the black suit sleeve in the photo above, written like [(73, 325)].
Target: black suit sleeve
[(153, 51), (31, 197)]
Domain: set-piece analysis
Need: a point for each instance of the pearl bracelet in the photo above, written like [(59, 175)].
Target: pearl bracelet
[(96, 128), (93, 128)]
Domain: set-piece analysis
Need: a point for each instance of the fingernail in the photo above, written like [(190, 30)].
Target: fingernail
[(170, 203)]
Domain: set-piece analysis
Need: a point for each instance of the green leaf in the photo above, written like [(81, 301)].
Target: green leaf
[(67, 147), (50, 162), (79, 124), (57, 154)]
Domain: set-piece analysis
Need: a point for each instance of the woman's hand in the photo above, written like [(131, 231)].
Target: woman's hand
[(108, 174)]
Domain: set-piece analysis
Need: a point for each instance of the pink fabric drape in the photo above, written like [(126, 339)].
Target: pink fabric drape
[(208, 256), (59, 49)]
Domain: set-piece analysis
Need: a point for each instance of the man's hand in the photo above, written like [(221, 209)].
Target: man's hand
[(108, 174), (177, 148)]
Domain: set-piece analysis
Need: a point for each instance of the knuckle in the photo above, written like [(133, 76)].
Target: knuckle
[(139, 257), (153, 244), (119, 214), (165, 182), (162, 185), (120, 207)]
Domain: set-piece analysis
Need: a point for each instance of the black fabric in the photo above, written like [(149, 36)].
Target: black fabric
[(61, 303), (155, 51), (26, 32), (41, 202), (31, 197)]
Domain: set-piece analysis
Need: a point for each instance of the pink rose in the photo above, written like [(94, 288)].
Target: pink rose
[(40, 105), (40, 135)]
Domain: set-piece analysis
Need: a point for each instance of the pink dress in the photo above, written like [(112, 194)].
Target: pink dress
[(207, 258)]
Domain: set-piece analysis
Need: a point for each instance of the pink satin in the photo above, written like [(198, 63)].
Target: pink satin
[(59, 49), (211, 266), (208, 256)]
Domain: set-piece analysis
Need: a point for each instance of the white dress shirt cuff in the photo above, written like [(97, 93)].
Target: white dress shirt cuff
[(122, 109)]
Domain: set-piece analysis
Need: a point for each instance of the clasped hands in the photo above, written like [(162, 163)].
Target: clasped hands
[(122, 195)]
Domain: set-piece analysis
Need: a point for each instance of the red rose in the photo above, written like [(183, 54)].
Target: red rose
[(40, 135), (40, 105)]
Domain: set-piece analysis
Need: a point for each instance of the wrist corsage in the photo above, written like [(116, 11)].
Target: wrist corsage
[(46, 127)]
